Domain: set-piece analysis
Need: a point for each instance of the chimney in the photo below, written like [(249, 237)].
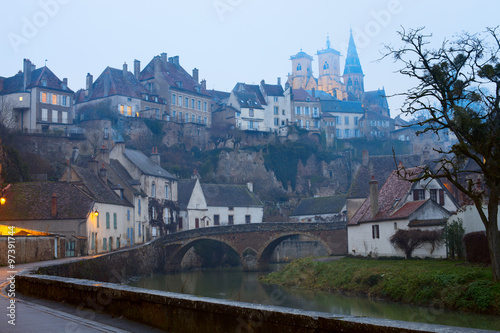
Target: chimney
[(195, 74), (90, 85), (120, 148), (137, 68), (125, 69), (262, 82), (27, 73), (103, 173), (365, 157), (374, 196), (279, 81), (104, 155), (53, 206), (204, 84), (174, 60), (155, 157), (163, 57), (107, 85), (313, 92), (250, 186), (92, 165)]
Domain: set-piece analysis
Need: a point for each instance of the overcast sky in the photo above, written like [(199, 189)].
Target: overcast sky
[(229, 41)]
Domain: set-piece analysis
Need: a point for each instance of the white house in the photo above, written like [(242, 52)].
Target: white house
[(400, 204), (205, 205)]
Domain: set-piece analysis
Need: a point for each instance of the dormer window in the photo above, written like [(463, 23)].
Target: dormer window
[(44, 83)]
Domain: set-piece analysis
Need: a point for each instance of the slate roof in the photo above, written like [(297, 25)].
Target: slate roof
[(375, 97), (370, 115), (321, 95), (95, 187), (342, 106), (301, 95), (352, 64), (172, 74), (16, 83), (118, 175), (247, 100), (382, 167), (251, 89), (229, 195), (219, 96), (273, 89), (118, 84), (146, 165), (33, 201), (390, 199), (301, 54), (320, 205), (184, 191)]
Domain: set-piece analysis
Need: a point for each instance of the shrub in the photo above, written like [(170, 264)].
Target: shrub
[(410, 240), (476, 247), (454, 234)]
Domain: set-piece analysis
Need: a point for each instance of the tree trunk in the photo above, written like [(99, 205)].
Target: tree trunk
[(493, 237)]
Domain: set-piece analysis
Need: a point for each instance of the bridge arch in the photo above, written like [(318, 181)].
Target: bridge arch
[(267, 249), (177, 252)]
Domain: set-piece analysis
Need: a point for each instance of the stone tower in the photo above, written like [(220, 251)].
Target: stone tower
[(329, 72), (302, 75), (353, 74)]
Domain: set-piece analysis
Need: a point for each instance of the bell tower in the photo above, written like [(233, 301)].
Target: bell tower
[(353, 74)]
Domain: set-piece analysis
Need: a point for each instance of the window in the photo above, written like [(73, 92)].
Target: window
[(216, 219), (316, 124), (193, 118), (128, 214), (346, 120), (346, 133), (129, 111), (250, 124), (205, 120), (276, 121), (64, 116), (441, 197), (64, 100), (44, 114), (186, 102), (153, 213), (283, 112), (107, 220), (192, 103), (375, 231), (199, 105), (230, 219), (418, 195), (115, 221), (315, 112), (196, 223), (173, 115), (297, 110), (104, 244), (306, 110), (167, 192), (55, 116), (307, 124), (180, 100), (97, 221), (230, 208), (139, 207), (276, 110), (247, 219), (250, 113), (54, 99), (180, 223), (93, 241), (43, 97), (118, 242), (275, 99), (433, 193), (187, 118), (153, 190), (338, 132), (205, 106), (174, 99), (299, 67), (338, 120), (356, 121), (395, 226)]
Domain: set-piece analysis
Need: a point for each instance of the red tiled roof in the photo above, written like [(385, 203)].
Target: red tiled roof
[(390, 198), (407, 209)]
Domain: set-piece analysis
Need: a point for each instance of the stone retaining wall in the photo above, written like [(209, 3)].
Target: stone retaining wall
[(183, 313)]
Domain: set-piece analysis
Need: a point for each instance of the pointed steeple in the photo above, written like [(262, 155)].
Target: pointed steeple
[(352, 64), (328, 42)]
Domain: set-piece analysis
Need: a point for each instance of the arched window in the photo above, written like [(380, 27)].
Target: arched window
[(299, 67), (326, 66)]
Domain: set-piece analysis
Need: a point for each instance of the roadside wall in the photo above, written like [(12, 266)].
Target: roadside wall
[(32, 248)]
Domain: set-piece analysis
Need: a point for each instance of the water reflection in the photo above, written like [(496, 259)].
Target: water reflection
[(233, 284)]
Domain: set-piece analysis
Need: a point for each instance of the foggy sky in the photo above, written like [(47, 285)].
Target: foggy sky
[(229, 41)]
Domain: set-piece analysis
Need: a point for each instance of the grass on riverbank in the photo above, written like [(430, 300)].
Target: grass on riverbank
[(439, 283)]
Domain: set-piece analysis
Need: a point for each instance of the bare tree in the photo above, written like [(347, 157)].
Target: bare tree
[(458, 84)]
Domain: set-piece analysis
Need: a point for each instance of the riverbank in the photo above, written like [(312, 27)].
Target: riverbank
[(446, 284)]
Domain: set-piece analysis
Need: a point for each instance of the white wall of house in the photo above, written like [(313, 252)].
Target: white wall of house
[(239, 214), (276, 113), (361, 241), (470, 218), (433, 184), (196, 215), (98, 231)]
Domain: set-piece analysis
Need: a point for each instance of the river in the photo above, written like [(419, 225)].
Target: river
[(234, 284)]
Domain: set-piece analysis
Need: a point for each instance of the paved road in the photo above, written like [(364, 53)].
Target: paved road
[(41, 316)]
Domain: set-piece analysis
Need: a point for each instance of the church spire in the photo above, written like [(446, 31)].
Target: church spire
[(352, 64), (328, 44)]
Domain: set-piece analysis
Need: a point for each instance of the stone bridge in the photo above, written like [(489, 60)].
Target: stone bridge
[(254, 243)]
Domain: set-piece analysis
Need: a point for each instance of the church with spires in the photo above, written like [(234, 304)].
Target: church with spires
[(346, 87)]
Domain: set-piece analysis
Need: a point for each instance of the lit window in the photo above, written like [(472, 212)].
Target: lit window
[(129, 111), (122, 109), (20, 98), (54, 99), (44, 97)]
